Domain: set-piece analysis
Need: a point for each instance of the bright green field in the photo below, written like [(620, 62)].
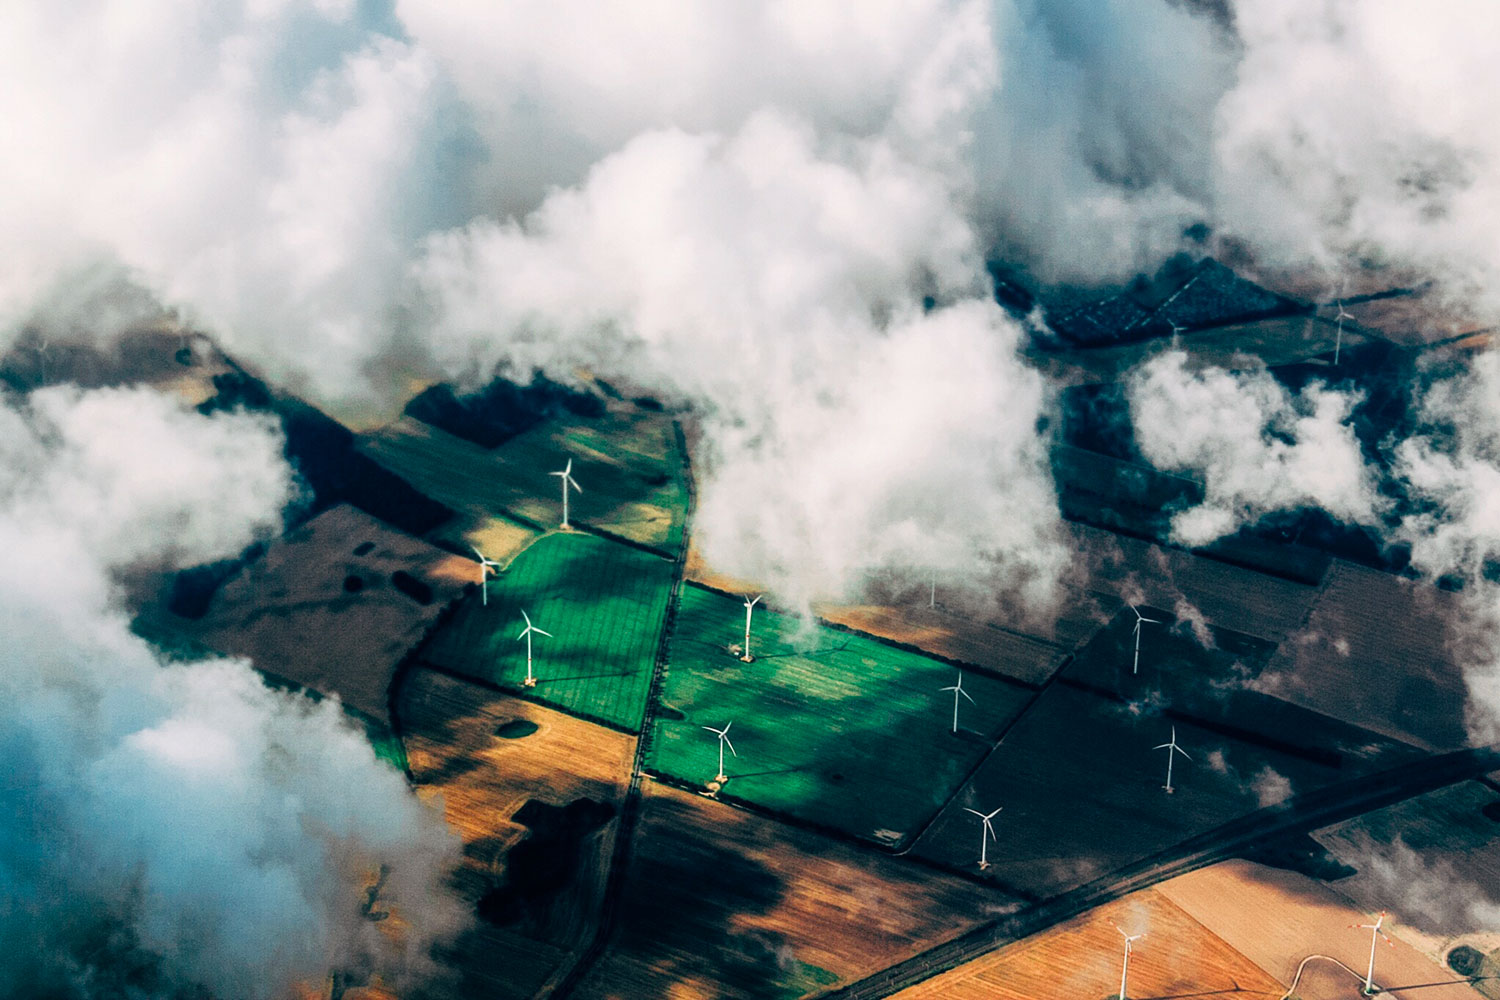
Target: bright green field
[(832, 728), (628, 464), (604, 604)]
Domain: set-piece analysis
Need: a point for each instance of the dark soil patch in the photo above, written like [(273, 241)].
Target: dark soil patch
[(364, 548), (515, 729), (353, 584), (412, 587)]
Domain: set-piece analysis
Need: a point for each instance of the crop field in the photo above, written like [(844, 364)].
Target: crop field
[(604, 604), (1082, 790), (1233, 900), (833, 728), (1080, 960), (627, 463), (1378, 652), (721, 903), (325, 607), (533, 794)]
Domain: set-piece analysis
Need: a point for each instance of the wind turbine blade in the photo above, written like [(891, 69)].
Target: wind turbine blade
[(1182, 751), (995, 813), (477, 553), (527, 617), (1165, 746), (989, 831), (729, 745), (727, 725), (713, 730), (568, 469), (1143, 621), (540, 632), (523, 632), (574, 483), (966, 695), (976, 812), (953, 688)]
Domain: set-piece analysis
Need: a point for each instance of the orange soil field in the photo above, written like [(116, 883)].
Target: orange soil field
[(1277, 918), (291, 613), (721, 903), (450, 729), (1376, 653), (1080, 960)]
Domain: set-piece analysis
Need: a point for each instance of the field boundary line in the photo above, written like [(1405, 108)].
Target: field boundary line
[(560, 986)]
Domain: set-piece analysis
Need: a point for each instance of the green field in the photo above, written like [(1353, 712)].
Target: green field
[(628, 464), (604, 604), (833, 728)]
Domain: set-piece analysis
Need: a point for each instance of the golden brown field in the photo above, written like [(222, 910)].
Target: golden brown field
[(541, 911), (721, 903), (1277, 918), (1080, 960)]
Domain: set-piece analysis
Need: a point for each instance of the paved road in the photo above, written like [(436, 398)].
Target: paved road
[(1299, 814)]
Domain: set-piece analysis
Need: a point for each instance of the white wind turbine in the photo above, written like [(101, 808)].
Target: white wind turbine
[(526, 634), (1140, 620), (1130, 940), (1338, 341), (1171, 748), (749, 610), (723, 735), (1375, 935), (958, 689), (986, 833), (1176, 332), (566, 475), (486, 566)]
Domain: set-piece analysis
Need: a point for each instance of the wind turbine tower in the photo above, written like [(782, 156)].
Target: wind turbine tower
[(1338, 340), (1171, 748), (486, 566), (566, 475), (1375, 935), (986, 833), (526, 634), (723, 735), (749, 610), (1130, 940), (41, 359), (1140, 620), (958, 689)]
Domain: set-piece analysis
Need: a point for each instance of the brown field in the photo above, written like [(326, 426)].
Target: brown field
[(291, 613), (1277, 918), (483, 781), (1080, 960), (1375, 653), (145, 356), (722, 903)]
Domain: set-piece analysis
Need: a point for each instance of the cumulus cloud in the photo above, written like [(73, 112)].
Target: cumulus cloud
[(777, 286), (1256, 446), (173, 828)]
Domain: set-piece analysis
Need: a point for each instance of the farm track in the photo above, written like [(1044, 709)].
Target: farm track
[(1299, 814), (630, 810)]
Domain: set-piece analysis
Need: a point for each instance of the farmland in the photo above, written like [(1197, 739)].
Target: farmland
[(1081, 958), (821, 718), (720, 903), (604, 604), (1082, 790), (627, 463), (333, 606), (510, 774)]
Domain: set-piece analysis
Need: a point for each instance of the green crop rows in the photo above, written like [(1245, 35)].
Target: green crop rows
[(604, 604), (833, 728)]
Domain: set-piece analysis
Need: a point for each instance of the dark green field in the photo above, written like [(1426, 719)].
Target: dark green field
[(628, 465), (833, 728), (604, 604)]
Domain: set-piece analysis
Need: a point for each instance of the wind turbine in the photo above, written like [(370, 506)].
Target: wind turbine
[(1171, 748), (41, 359), (749, 609), (486, 564), (566, 475), (1176, 331), (1140, 620), (1375, 935), (1338, 341), (958, 689), (1130, 940), (526, 634), (986, 833), (723, 735)]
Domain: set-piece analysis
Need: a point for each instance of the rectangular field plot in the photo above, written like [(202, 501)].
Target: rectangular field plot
[(721, 903), (1083, 790), (628, 465), (832, 728), (604, 604)]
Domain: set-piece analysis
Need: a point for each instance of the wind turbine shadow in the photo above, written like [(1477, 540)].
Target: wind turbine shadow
[(757, 774), (583, 677), (809, 655), (1235, 990)]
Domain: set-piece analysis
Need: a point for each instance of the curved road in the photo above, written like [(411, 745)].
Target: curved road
[(1299, 814)]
